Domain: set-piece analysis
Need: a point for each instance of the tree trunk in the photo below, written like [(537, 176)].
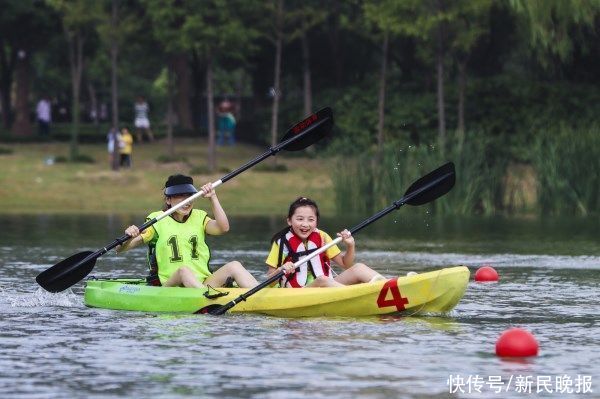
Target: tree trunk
[(22, 125), (239, 88), (114, 89), (181, 69), (277, 77), (462, 87), (334, 39), (94, 111), (170, 113), (381, 105), (212, 149), (306, 76), (7, 65), (198, 77), (76, 60), (440, 91)]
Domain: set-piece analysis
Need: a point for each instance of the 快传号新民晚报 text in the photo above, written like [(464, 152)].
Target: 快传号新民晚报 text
[(559, 384)]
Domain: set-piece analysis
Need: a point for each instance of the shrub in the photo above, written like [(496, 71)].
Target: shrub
[(363, 186), (567, 165)]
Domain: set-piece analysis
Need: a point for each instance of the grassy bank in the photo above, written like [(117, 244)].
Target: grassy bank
[(28, 184)]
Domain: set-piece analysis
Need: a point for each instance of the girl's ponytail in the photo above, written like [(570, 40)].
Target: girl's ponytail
[(281, 233)]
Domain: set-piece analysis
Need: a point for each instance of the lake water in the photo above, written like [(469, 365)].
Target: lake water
[(52, 346)]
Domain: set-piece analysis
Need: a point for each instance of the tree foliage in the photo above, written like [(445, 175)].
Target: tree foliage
[(555, 26), (489, 70)]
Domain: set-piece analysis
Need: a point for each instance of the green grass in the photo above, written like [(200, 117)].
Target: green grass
[(562, 178), (29, 184)]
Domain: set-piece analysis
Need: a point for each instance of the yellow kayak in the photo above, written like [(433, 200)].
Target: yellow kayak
[(431, 292)]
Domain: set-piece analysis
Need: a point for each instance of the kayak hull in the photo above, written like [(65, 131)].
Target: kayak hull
[(431, 292)]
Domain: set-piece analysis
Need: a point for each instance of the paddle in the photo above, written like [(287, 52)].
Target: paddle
[(73, 269), (426, 189)]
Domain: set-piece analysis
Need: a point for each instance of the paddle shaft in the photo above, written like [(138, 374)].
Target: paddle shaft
[(395, 205), (270, 152)]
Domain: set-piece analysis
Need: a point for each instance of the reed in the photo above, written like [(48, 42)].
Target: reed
[(364, 184), (481, 165), (567, 162)]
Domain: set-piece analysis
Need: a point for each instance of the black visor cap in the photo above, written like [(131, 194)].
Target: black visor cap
[(180, 189)]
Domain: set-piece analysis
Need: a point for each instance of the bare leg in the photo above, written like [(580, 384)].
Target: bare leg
[(138, 134), (150, 135), (324, 282), (185, 277), (359, 273), (234, 269)]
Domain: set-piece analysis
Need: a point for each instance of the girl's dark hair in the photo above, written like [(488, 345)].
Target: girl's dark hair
[(302, 201), (299, 202)]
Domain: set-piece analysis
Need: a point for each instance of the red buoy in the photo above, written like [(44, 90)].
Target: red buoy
[(486, 273), (516, 342)]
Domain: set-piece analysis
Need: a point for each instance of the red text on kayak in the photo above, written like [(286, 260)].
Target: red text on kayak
[(397, 300)]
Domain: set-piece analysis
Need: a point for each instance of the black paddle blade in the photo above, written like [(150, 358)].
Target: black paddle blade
[(67, 272), (216, 310), (313, 129), (431, 186)]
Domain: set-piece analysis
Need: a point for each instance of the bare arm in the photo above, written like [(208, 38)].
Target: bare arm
[(135, 240), (287, 267), (346, 259), (220, 224), (271, 271)]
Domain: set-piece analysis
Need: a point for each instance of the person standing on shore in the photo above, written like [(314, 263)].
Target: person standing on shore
[(113, 138), (126, 148), (141, 122), (225, 123), (43, 112)]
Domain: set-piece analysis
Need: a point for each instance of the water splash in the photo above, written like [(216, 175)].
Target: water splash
[(40, 298)]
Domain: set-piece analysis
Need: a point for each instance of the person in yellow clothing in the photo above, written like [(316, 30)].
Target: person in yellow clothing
[(177, 252), (302, 237), (125, 148)]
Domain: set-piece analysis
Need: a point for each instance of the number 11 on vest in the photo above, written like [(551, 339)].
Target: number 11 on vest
[(397, 300)]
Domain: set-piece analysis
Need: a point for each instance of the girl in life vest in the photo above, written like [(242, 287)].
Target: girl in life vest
[(177, 252), (302, 237)]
